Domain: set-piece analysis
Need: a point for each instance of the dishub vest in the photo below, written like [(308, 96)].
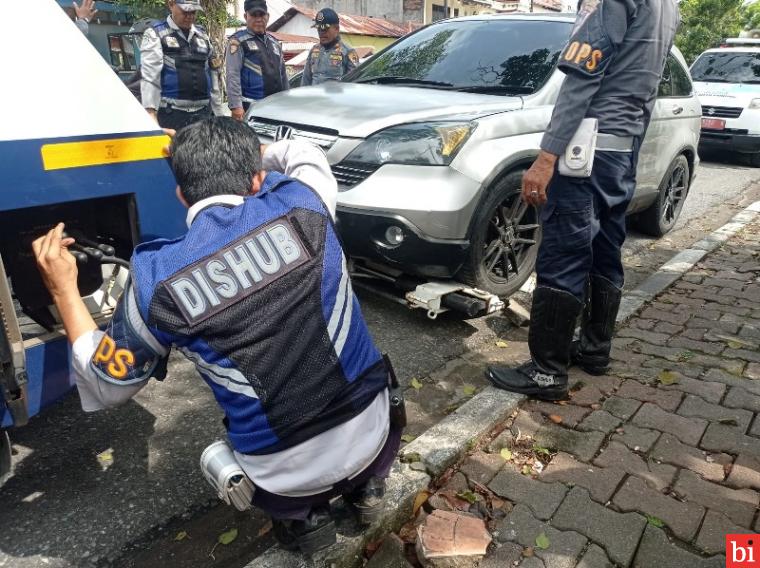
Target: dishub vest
[(258, 297), (185, 75)]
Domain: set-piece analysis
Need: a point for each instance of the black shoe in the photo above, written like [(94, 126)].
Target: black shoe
[(552, 323), (308, 536), (528, 379), (592, 351), (368, 500)]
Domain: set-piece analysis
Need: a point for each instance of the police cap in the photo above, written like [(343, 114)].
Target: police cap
[(253, 6), (325, 18), (189, 5)]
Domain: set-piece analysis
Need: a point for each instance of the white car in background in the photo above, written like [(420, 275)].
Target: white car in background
[(727, 82)]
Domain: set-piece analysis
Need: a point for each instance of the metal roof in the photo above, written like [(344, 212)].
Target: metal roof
[(356, 25)]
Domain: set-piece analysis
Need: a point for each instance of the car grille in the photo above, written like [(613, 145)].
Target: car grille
[(320, 136), (721, 112), (349, 175)]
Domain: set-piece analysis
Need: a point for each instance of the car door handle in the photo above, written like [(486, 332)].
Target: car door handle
[(677, 110)]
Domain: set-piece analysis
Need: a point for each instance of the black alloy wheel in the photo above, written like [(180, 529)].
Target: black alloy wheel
[(505, 240), (662, 215)]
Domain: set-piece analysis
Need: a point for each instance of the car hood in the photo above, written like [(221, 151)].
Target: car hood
[(357, 110), (726, 94)]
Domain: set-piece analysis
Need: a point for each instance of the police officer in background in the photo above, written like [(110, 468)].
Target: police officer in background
[(255, 65), (258, 296), (84, 13), (613, 63), (180, 82), (332, 58)]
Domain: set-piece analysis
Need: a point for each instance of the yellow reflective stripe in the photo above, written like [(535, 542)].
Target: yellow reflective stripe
[(99, 152)]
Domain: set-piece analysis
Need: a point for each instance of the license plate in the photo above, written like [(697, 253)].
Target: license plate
[(713, 123)]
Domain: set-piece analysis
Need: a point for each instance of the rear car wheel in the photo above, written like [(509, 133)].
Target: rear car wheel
[(5, 456), (504, 241), (662, 215), (753, 160)]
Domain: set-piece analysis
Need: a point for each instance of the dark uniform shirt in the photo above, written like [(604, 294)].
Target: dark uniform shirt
[(328, 62), (255, 68), (613, 63)]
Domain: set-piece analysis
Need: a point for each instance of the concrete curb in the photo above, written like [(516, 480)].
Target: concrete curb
[(681, 263), (444, 444)]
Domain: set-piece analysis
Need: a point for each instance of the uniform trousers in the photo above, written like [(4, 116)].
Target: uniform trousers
[(172, 117), (583, 224)]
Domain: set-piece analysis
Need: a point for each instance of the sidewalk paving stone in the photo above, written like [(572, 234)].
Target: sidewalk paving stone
[(502, 556), (745, 473), (737, 504), (670, 450), (729, 439), (732, 380), (739, 397), (542, 498), (711, 392), (571, 414), (618, 533), (667, 400), (481, 467), (389, 555), (623, 408), (595, 557), (656, 551), (601, 482), (682, 518), (522, 527), (752, 371), (712, 536), (599, 421), (583, 445), (637, 439), (688, 430), (702, 346), (694, 406), (617, 456)]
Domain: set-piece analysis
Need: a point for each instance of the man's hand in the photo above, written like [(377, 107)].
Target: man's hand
[(537, 178), (237, 113), (86, 11), (56, 264)]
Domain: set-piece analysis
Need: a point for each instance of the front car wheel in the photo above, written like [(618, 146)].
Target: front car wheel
[(662, 215)]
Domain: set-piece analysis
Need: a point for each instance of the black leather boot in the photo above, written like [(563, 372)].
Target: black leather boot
[(592, 351), (368, 500), (308, 536), (552, 323)]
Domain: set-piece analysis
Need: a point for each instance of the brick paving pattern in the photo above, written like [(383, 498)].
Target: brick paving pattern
[(653, 464)]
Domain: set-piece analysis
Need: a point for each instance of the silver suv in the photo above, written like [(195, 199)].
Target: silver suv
[(429, 140)]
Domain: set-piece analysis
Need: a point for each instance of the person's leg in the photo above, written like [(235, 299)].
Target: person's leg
[(614, 186), (565, 257)]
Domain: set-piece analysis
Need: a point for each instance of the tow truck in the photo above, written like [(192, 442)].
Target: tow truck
[(77, 147)]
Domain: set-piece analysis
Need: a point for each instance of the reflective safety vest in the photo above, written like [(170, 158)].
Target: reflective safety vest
[(186, 74), (261, 72), (258, 296)]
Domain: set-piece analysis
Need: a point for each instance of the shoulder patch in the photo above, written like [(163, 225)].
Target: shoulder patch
[(234, 46), (589, 50), (113, 363), (353, 57)]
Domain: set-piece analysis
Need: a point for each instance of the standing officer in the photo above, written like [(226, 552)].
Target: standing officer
[(332, 58), (255, 65), (179, 76), (613, 64), (258, 296), (84, 12)]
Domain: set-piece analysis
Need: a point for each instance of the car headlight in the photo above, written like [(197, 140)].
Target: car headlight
[(421, 144), (754, 104)]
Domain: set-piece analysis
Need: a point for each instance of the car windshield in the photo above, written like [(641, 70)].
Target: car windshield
[(727, 67), (507, 57)]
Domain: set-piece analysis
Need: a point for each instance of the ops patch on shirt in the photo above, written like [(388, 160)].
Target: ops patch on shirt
[(115, 363), (589, 50), (231, 274)]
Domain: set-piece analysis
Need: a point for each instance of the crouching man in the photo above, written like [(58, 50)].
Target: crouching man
[(257, 295)]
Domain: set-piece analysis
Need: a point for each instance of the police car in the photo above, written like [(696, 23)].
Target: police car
[(727, 82), (429, 139)]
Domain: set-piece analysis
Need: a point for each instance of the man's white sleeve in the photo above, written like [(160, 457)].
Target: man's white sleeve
[(308, 164), (151, 64)]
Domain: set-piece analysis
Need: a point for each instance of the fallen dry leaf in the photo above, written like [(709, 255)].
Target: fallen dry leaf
[(266, 528), (419, 501), (502, 344), (556, 418)]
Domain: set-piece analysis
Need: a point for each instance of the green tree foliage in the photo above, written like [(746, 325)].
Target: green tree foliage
[(751, 18), (704, 23)]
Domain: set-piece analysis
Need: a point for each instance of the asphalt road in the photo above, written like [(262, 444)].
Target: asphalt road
[(123, 487)]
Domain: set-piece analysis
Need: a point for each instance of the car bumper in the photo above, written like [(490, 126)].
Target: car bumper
[(364, 238), (728, 140)]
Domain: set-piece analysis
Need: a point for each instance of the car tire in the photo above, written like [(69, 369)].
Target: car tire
[(662, 215), (504, 241), (753, 160), (5, 456)]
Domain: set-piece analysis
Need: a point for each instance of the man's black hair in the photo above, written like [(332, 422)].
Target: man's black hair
[(215, 156)]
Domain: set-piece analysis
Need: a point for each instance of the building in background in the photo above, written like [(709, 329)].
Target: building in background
[(110, 19)]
